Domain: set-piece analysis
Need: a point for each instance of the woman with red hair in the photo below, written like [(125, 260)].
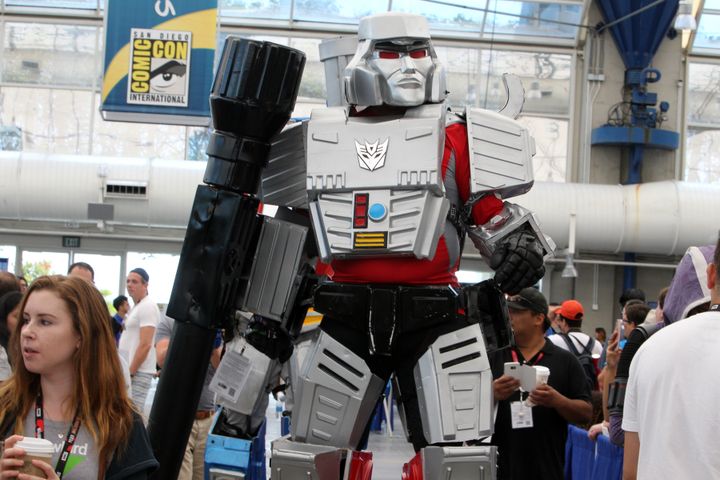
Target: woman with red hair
[(67, 387)]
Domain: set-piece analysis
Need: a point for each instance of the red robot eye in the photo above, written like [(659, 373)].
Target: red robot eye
[(388, 55), (420, 53)]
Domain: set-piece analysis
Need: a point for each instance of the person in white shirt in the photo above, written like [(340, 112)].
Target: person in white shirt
[(671, 417), (137, 341), (569, 319)]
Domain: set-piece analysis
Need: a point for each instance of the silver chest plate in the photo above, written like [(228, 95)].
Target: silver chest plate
[(375, 183)]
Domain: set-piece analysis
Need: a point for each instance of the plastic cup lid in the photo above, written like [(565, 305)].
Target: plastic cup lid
[(36, 446)]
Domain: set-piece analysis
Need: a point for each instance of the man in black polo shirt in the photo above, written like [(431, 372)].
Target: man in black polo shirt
[(536, 449)]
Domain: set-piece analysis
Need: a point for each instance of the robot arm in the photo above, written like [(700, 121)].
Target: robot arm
[(278, 294), (518, 249), (253, 95), (501, 152)]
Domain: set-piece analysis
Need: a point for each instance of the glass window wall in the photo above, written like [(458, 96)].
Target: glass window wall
[(45, 54), (78, 4), (336, 11), (255, 9), (702, 157), (37, 263), (7, 258), (107, 272), (45, 120), (161, 268), (50, 71), (506, 20)]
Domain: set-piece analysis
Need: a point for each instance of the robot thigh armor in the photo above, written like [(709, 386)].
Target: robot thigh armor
[(335, 395), (454, 388)]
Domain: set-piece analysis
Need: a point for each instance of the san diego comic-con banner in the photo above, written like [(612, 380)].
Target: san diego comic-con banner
[(159, 60)]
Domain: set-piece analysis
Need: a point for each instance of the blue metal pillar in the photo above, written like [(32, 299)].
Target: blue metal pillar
[(635, 165), (634, 177), (638, 32)]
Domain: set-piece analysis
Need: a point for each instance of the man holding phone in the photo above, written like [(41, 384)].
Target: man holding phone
[(531, 441)]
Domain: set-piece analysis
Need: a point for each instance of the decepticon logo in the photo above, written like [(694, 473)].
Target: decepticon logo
[(372, 155)]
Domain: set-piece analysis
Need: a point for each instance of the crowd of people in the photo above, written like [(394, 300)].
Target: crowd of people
[(650, 405), (70, 370), (48, 363)]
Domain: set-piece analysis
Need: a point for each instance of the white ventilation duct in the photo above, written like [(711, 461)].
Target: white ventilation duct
[(651, 218), (152, 193)]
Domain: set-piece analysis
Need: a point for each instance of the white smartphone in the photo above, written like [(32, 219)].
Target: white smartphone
[(512, 369)]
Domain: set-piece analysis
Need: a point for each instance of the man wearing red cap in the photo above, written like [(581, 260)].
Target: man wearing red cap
[(569, 318)]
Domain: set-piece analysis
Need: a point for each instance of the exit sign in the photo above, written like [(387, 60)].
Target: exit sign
[(71, 242)]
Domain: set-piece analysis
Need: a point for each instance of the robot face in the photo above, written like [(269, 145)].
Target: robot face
[(403, 67)]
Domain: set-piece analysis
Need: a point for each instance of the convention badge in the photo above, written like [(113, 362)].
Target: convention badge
[(231, 376), (521, 415)]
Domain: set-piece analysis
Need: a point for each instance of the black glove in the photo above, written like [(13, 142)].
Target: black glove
[(518, 262)]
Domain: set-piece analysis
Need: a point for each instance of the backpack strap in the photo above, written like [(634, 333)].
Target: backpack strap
[(570, 343), (648, 330), (590, 344), (586, 348)]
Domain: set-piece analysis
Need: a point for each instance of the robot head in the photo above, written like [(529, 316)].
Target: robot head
[(394, 64)]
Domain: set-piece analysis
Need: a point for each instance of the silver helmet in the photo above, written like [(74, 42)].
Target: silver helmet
[(395, 63)]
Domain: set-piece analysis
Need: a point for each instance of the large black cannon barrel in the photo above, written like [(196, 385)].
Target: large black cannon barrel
[(253, 96)]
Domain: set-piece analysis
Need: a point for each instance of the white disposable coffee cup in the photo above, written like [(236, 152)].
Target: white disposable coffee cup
[(35, 449), (541, 374), (533, 377)]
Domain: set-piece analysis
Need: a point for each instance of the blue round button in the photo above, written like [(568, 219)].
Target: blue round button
[(377, 212)]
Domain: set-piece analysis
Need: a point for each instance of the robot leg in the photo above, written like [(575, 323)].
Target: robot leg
[(454, 384), (335, 396), (454, 391)]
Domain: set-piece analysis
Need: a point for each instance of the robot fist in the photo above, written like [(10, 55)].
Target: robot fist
[(518, 262)]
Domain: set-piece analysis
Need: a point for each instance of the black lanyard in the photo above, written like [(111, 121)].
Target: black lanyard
[(69, 439)]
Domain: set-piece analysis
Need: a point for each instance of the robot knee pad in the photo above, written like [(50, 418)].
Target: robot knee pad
[(454, 388), (335, 395)]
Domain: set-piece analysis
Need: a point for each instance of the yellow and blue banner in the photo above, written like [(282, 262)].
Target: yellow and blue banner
[(159, 61)]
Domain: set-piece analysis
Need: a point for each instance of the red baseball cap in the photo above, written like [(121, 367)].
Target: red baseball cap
[(571, 310)]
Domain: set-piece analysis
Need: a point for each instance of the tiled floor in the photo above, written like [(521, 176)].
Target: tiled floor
[(389, 454)]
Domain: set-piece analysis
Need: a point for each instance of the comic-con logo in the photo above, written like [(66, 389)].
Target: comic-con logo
[(159, 67)]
